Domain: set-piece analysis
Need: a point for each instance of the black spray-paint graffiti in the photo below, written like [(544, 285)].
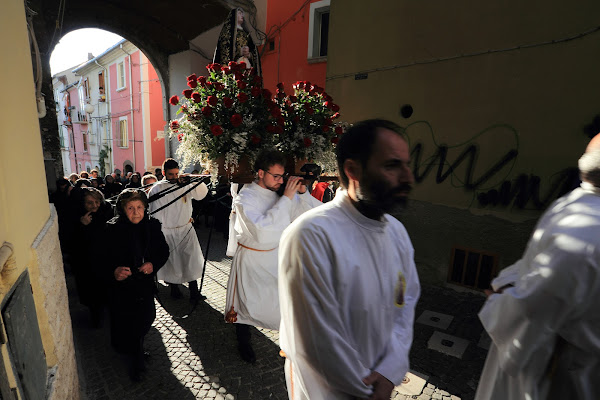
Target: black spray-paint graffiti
[(521, 191)]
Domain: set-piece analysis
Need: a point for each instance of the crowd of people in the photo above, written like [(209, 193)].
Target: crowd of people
[(339, 279)]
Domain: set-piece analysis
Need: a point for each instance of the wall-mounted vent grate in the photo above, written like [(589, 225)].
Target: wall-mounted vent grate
[(472, 268)]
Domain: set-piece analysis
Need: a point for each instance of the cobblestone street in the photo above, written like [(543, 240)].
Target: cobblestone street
[(193, 352)]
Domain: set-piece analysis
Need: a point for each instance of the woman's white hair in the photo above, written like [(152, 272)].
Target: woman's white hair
[(589, 167)]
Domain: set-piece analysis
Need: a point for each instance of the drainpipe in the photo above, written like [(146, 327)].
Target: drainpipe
[(109, 120), (131, 105)]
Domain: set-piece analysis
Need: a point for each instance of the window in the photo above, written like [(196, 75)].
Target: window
[(101, 82), (472, 268), (84, 134), (121, 75), (318, 29), (122, 129)]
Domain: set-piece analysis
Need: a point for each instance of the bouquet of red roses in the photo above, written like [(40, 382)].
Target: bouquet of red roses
[(225, 114)]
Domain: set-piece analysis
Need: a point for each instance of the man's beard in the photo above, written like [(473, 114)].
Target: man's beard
[(376, 197)]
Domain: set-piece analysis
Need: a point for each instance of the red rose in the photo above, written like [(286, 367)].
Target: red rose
[(327, 97), (226, 70), (213, 67), (335, 140), (255, 139), (207, 111), (293, 99), (175, 125), (335, 108), (180, 137), (232, 64), (174, 100), (307, 142), (299, 85), (236, 120), (328, 104), (197, 98), (280, 95), (270, 128), (280, 86), (242, 65), (192, 77), (275, 112), (309, 109), (216, 130), (335, 116), (187, 93), (242, 97), (227, 102), (238, 77), (257, 79), (339, 130), (202, 80), (266, 93), (192, 84), (218, 86), (212, 100), (325, 128), (241, 84), (255, 91), (280, 121), (278, 130)]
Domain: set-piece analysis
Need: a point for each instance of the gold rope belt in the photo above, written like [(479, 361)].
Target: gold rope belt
[(250, 248), (177, 227)]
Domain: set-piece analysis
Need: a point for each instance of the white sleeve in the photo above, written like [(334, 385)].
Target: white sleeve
[(311, 313), (302, 203), (395, 363), (199, 191), (264, 228)]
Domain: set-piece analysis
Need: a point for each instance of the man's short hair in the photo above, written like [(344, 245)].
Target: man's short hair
[(357, 143), (94, 170), (589, 167), (266, 158), (169, 163)]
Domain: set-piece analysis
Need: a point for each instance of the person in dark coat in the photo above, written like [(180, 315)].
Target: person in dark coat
[(132, 269), (88, 219), (135, 181), (111, 187)]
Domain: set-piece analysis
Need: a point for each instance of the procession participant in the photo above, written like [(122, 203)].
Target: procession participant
[(542, 314), (130, 269), (148, 180), (185, 262), (261, 215), (348, 284)]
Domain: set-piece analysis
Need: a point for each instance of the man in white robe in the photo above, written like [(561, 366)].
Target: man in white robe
[(543, 313), (348, 284), (261, 215), (186, 261)]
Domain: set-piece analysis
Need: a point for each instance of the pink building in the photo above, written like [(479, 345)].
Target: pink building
[(121, 98)]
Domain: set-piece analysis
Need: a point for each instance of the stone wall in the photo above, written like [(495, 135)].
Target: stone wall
[(50, 293)]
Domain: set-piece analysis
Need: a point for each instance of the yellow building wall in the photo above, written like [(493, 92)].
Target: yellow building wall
[(26, 220), (458, 66)]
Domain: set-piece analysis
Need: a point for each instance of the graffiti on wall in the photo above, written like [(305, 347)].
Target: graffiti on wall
[(490, 185)]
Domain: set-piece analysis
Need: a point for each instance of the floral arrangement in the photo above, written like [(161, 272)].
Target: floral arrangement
[(309, 128), (227, 114)]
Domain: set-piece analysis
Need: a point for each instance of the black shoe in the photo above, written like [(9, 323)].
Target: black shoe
[(175, 291), (247, 353)]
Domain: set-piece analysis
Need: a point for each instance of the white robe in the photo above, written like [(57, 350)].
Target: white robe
[(185, 261), (260, 218), (555, 299), (340, 275)]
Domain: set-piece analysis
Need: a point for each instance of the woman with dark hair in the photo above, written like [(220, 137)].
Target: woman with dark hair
[(111, 187), (132, 269), (135, 181), (89, 220)]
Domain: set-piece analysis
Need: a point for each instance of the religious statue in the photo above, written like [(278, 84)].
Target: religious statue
[(236, 44)]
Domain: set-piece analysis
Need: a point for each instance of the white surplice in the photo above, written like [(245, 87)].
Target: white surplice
[(546, 329), (186, 261), (348, 287), (261, 215)]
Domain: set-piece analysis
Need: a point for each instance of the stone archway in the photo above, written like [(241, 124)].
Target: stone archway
[(157, 27)]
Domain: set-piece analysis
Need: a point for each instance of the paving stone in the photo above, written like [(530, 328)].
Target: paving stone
[(435, 319), (448, 344)]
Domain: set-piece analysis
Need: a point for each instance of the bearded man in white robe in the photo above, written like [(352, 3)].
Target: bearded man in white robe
[(260, 217), (542, 314), (186, 261), (348, 284)]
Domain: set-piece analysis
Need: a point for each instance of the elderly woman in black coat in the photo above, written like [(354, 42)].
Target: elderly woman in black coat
[(132, 267)]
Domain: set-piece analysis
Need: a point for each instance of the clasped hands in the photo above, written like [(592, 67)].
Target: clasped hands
[(122, 273)]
